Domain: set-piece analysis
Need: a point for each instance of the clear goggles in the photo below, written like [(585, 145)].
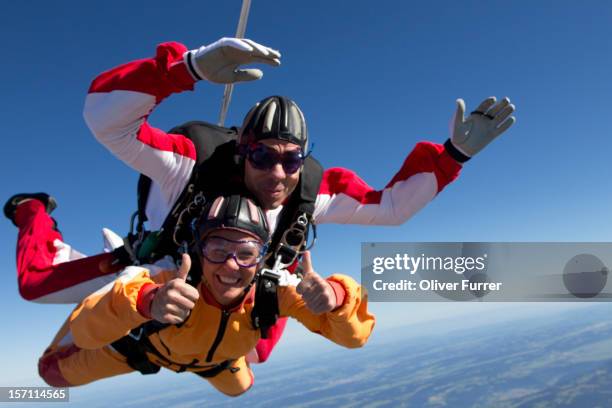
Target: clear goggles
[(246, 253)]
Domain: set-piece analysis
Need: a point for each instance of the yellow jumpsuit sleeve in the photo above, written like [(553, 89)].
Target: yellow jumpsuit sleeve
[(350, 325), (110, 313)]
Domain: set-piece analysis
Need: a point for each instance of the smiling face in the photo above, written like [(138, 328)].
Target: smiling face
[(227, 280), (271, 187)]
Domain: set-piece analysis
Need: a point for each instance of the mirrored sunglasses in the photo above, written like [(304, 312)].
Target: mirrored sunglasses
[(263, 157)]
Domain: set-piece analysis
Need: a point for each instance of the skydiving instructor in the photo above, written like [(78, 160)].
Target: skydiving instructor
[(117, 110)]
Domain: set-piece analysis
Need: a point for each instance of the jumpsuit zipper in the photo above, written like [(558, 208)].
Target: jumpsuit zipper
[(222, 325)]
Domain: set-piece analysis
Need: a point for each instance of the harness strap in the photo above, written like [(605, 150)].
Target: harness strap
[(288, 243), (212, 372), (135, 346), (135, 354), (144, 186), (265, 312)]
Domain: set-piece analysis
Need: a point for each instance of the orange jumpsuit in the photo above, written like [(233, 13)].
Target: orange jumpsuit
[(81, 351)]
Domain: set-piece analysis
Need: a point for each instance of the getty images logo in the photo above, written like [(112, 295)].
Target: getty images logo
[(422, 263)]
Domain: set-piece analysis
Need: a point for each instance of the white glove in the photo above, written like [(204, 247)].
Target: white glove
[(489, 120), (219, 61)]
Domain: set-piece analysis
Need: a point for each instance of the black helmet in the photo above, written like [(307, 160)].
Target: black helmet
[(233, 212), (275, 117)]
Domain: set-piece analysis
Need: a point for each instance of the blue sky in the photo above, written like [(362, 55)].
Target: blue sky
[(373, 78)]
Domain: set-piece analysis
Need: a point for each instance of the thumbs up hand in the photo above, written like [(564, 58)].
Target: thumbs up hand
[(316, 292), (173, 301)]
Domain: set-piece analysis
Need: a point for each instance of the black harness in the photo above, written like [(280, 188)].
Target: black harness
[(135, 346), (218, 171)]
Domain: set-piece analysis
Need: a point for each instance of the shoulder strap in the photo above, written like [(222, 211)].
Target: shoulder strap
[(205, 136), (291, 231), (215, 151), (288, 241), (142, 195)]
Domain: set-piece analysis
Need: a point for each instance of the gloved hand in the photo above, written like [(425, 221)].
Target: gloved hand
[(219, 61), (469, 136)]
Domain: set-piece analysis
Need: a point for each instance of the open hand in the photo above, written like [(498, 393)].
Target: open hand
[(489, 120), (219, 62)]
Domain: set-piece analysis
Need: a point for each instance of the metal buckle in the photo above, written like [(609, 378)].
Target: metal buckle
[(137, 337), (193, 209), (275, 272)]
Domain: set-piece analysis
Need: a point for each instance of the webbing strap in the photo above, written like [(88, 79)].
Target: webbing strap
[(134, 348)]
